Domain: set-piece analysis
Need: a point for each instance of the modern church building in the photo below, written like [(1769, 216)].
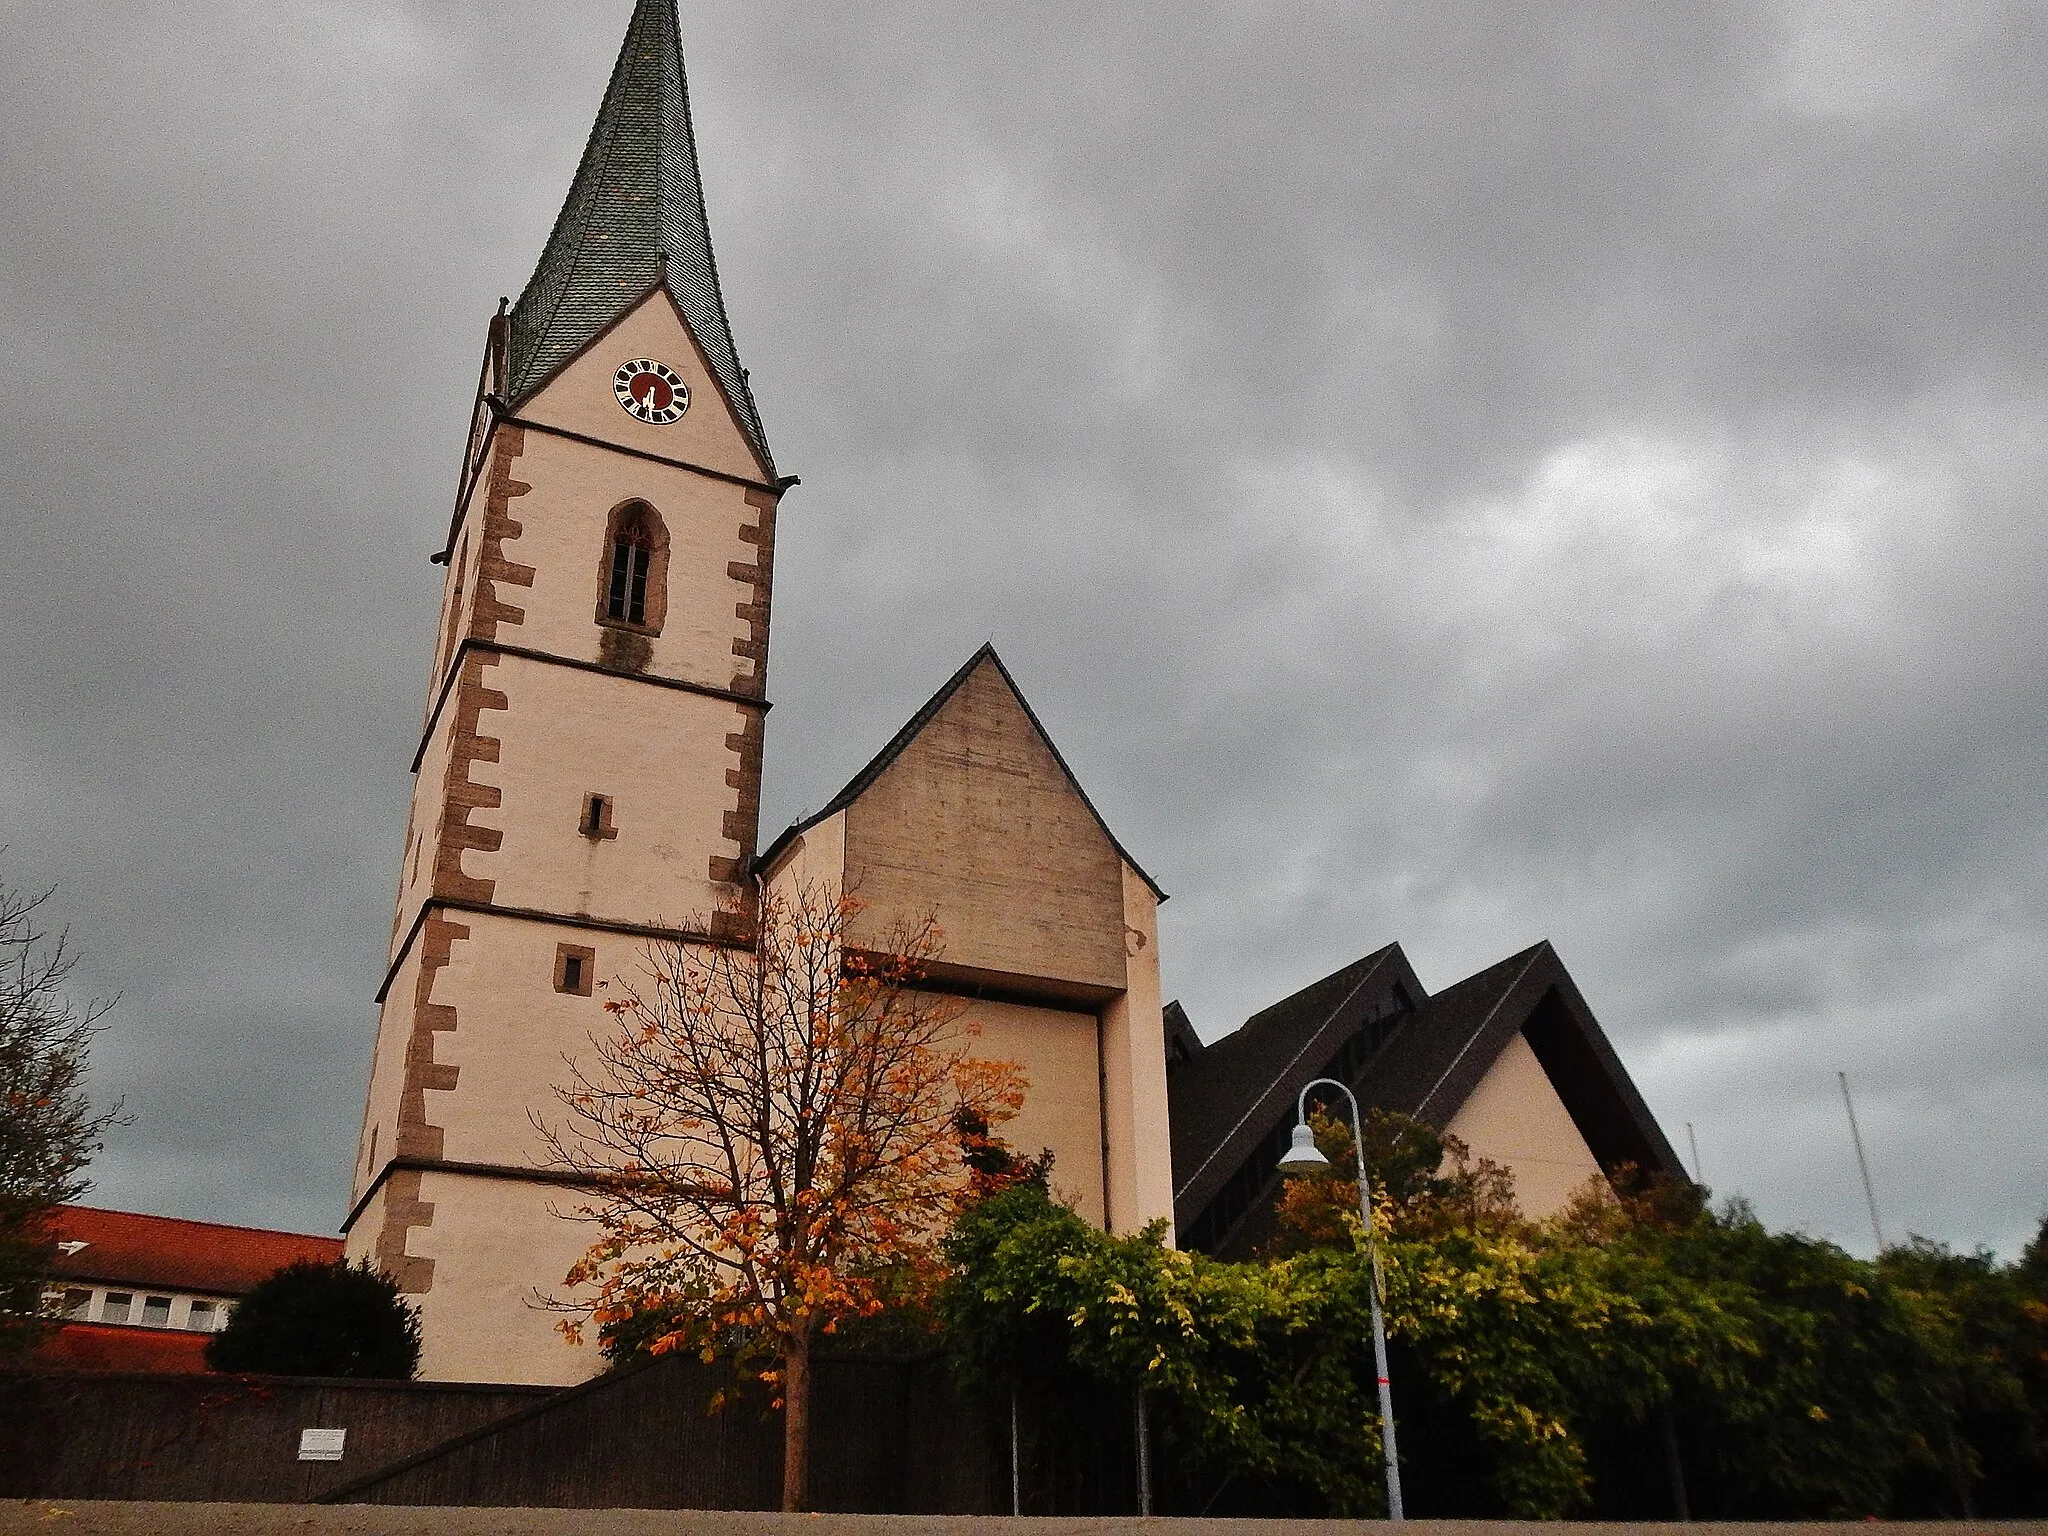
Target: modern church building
[(589, 778)]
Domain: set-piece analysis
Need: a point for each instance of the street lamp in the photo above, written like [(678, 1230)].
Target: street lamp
[(1303, 1156)]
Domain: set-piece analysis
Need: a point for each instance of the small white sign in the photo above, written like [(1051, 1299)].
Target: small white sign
[(321, 1444)]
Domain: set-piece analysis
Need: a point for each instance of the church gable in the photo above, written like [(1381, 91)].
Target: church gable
[(1464, 1031), (970, 814), (582, 398)]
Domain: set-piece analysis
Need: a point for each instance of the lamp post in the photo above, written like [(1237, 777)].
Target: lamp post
[(1303, 1156)]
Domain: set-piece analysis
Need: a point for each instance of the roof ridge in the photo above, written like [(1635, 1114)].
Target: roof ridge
[(1528, 957), (193, 1221), (1370, 958), (1309, 1037)]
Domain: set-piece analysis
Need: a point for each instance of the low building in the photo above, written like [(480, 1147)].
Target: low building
[(144, 1293)]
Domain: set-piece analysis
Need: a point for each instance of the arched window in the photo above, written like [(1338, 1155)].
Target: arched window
[(632, 552), (633, 574)]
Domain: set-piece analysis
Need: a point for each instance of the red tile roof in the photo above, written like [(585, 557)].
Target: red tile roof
[(123, 1248), (102, 1347)]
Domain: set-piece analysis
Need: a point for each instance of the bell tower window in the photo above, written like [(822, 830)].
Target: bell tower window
[(633, 572), (630, 554)]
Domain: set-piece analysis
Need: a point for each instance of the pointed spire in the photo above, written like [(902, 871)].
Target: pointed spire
[(634, 220)]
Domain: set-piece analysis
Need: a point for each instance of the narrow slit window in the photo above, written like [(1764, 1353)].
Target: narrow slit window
[(575, 965), (593, 815)]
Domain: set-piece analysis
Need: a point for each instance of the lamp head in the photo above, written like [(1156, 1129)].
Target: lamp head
[(1303, 1155)]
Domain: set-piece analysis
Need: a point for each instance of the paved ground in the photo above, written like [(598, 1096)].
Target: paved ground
[(70, 1517)]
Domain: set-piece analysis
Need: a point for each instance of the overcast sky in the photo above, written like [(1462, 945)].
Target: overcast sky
[(1447, 472)]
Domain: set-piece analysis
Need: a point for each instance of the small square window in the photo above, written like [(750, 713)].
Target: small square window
[(595, 820), (77, 1304), (201, 1318), (575, 965), (116, 1309), (156, 1312)]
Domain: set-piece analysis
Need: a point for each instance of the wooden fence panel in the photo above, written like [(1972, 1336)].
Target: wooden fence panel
[(221, 1438), (887, 1436)]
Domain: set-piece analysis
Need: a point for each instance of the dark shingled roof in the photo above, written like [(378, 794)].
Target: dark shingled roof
[(1430, 1070), (634, 221), (1233, 1099), (1223, 1102), (858, 784)]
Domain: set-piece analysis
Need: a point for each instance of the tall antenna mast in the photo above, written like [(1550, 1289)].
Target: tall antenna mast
[(1862, 1163), (1697, 1178)]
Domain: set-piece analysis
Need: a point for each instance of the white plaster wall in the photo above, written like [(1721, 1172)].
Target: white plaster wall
[(513, 1032), (818, 858), (387, 1073), (497, 1249), (562, 521), (429, 790), (658, 753), (359, 1242), (1515, 1118), (458, 587)]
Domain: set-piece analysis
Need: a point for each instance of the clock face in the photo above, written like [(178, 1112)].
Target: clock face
[(651, 391)]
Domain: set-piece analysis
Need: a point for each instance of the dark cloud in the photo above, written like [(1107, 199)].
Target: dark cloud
[(1442, 474)]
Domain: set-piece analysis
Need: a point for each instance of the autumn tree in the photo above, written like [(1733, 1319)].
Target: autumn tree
[(1425, 1180), (774, 1138), (48, 1129)]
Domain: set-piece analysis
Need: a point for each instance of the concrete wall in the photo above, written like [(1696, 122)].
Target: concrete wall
[(1062, 1101), (209, 1437), (976, 823), (1134, 1073)]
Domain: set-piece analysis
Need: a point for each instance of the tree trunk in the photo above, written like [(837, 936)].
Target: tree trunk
[(796, 1421)]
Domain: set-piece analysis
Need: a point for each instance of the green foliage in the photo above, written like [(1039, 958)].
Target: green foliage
[(314, 1319), (1800, 1381), (1425, 1177), (48, 1130)]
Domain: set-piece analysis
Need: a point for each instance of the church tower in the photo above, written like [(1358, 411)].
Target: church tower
[(589, 765)]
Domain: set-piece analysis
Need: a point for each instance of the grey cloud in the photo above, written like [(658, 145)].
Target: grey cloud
[(1440, 473)]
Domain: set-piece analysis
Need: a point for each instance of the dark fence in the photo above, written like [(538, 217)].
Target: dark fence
[(887, 1436), (221, 1438)]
